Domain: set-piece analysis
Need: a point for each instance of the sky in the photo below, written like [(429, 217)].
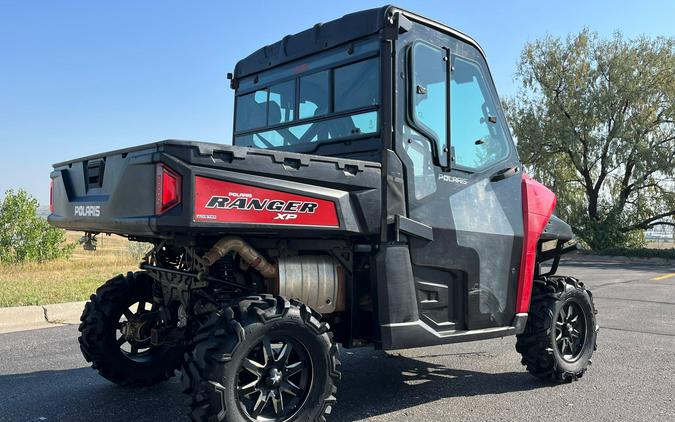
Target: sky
[(81, 77)]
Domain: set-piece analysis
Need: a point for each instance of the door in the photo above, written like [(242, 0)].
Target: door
[(463, 180)]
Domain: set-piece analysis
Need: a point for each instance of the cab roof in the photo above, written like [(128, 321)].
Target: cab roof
[(323, 36)]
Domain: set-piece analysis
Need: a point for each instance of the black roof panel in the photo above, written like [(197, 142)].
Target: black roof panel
[(323, 36), (319, 37)]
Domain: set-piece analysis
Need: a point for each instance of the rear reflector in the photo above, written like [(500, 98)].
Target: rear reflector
[(51, 196), (167, 190)]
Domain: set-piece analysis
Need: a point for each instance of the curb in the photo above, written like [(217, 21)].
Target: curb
[(20, 318), (64, 313)]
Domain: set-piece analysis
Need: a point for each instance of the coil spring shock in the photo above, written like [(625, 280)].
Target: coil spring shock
[(223, 269)]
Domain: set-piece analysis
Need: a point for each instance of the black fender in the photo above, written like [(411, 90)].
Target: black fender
[(561, 232), (557, 229)]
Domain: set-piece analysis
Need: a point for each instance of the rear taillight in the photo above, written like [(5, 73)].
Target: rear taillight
[(167, 189), (51, 196)]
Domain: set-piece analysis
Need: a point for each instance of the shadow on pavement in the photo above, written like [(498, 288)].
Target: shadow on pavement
[(82, 395), (374, 383)]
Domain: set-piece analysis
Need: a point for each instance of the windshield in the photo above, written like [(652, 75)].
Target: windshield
[(333, 102)]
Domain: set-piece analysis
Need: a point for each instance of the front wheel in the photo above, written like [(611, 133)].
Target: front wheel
[(264, 359), (561, 331)]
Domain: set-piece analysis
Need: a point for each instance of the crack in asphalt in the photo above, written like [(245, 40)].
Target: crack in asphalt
[(615, 283), (634, 300), (653, 333)]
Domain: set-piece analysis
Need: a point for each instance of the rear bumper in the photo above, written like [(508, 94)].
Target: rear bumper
[(141, 227)]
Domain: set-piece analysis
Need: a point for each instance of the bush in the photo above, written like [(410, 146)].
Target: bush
[(638, 252), (138, 250), (24, 235)]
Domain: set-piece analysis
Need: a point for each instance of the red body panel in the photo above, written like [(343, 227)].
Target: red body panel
[(538, 205), (220, 201)]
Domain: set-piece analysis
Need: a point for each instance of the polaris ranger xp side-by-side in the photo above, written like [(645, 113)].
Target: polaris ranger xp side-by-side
[(372, 196)]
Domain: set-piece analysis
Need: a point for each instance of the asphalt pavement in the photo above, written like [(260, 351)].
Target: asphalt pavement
[(44, 378)]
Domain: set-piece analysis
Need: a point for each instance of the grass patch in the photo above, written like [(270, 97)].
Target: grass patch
[(66, 280)]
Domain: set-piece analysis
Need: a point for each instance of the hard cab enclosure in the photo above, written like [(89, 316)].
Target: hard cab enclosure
[(381, 131)]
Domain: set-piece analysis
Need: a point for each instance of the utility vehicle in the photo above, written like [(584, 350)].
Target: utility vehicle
[(372, 196)]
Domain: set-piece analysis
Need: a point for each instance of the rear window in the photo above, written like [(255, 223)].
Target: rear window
[(329, 104), (323, 130), (251, 110), (357, 85), (281, 103), (314, 95)]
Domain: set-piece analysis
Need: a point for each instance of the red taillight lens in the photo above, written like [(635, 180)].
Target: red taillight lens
[(51, 196), (168, 188)]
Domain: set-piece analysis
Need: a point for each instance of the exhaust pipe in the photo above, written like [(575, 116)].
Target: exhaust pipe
[(245, 251), (316, 280)]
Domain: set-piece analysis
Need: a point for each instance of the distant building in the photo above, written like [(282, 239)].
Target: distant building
[(660, 233)]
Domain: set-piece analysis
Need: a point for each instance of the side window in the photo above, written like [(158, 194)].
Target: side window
[(314, 98), (476, 134), (429, 90), (281, 103), (251, 110)]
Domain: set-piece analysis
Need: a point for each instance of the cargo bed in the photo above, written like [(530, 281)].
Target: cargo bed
[(192, 188)]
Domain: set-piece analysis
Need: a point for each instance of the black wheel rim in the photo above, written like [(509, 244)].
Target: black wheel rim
[(274, 379), (132, 331), (570, 331)]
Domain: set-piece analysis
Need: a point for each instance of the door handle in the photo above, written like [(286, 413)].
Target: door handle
[(503, 174)]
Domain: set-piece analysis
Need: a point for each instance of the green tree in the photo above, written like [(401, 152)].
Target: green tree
[(595, 120), (24, 235)]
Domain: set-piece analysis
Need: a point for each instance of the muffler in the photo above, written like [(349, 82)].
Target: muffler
[(315, 280)]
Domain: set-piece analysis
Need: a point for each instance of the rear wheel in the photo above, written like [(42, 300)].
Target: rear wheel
[(264, 359), (115, 333), (561, 331)]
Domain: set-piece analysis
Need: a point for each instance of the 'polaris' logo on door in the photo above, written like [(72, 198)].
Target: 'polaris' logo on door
[(452, 179), (242, 202), (87, 211)]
